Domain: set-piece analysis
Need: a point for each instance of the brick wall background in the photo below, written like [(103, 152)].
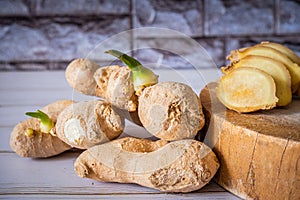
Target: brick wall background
[(48, 34)]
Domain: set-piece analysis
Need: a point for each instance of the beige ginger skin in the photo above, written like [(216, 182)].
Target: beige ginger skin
[(179, 166), (39, 144), (171, 111), (85, 124), (114, 83), (79, 75)]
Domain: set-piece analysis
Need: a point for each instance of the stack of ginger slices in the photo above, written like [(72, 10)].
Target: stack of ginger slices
[(259, 77)]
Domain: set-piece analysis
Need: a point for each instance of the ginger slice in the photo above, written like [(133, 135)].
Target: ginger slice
[(247, 89), (293, 68), (274, 68), (283, 49), (286, 51)]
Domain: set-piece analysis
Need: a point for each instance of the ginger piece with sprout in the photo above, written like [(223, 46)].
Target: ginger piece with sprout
[(171, 111), (102, 76), (118, 85), (115, 84), (142, 76), (121, 86), (88, 123), (46, 124), (33, 138)]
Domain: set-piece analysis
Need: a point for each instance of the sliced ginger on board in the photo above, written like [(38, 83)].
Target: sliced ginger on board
[(274, 68), (247, 89), (283, 49), (288, 52), (294, 69)]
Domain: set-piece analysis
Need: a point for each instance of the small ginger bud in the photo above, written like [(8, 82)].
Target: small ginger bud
[(29, 132)]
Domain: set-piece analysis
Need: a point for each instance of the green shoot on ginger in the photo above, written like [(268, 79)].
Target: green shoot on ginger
[(142, 76), (46, 124)]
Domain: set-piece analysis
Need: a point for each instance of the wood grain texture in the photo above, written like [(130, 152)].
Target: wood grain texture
[(4, 139), (191, 196), (259, 152), (52, 80), (56, 175), (11, 115), (43, 80)]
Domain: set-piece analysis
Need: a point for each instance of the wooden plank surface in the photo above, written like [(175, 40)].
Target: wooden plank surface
[(55, 80), (54, 178), (191, 196), (4, 139), (56, 175)]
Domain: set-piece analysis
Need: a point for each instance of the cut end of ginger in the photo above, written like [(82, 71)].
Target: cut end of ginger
[(272, 67), (247, 90)]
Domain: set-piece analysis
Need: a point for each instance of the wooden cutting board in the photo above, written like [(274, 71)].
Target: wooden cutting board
[(259, 152)]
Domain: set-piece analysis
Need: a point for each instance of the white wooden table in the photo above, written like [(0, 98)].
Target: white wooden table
[(54, 178)]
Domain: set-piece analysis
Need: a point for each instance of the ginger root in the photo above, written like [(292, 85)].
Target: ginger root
[(27, 140), (115, 84), (171, 111), (85, 124), (179, 166), (79, 75)]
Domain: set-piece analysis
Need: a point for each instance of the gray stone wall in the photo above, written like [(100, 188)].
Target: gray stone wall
[(48, 34)]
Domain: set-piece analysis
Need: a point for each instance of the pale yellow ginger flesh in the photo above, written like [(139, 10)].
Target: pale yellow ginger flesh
[(179, 166), (293, 68), (283, 49), (274, 68), (288, 52), (247, 89)]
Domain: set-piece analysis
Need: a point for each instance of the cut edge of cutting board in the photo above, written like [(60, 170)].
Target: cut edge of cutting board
[(259, 152)]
